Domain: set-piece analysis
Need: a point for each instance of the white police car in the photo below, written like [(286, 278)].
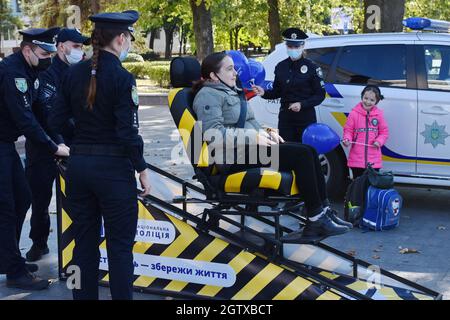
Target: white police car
[(413, 71)]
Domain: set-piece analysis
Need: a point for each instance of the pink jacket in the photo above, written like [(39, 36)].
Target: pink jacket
[(365, 128)]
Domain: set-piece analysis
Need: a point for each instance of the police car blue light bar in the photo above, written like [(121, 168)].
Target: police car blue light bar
[(417, 23)]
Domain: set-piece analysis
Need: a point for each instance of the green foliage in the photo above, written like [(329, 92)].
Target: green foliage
[(134, 57), (156, 71)]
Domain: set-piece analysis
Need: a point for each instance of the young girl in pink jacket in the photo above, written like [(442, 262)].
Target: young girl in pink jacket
[(366, 131)]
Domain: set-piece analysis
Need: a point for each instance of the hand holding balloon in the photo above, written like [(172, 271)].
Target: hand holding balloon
[(321, 137)]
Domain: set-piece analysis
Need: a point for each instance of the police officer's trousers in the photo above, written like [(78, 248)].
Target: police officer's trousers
[(15, 199), (291, 133), (96, 187), (40, 176)]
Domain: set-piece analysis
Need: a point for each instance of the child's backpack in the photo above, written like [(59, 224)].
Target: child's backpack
[(382, 210), (354, 202)]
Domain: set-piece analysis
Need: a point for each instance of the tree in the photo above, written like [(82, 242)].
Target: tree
[(383, 16), (274, 23), (203, 30), (7, 21)]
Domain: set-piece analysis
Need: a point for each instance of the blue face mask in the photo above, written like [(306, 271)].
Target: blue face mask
[(124, 53), (295, 54)]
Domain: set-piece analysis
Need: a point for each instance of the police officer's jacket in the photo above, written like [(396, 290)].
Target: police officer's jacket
[(18, 88), (113, 121), (49, 85), (297, 81)]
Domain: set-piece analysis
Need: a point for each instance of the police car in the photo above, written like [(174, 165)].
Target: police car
[(413, 71)]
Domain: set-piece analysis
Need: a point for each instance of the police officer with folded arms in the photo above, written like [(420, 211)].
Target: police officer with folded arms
[(299, 84), (40, 165), (106, 151), (18, 87)]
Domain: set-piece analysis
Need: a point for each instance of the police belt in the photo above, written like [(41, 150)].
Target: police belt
[(98, 150)]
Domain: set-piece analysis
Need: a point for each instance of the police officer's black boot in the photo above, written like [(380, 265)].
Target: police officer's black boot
[(26, 281), (36, 252), (31, 267), (333, 215), (323, 227)]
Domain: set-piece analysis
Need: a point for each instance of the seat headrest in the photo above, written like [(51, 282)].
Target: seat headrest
[(184, 71)]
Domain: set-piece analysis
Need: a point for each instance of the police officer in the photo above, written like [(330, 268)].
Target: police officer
[(106, 151), (40, 165), (18, 85), (299, 84)]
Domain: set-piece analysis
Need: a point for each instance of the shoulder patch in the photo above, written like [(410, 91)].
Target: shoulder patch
[(319, 72), (135, 95), (21, 84)]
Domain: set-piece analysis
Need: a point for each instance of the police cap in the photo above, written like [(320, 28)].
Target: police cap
[(44, 38), (116, 20), (294, 37), (73, 35)]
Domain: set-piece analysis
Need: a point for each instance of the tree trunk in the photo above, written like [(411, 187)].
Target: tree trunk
[(231, 39), (169, 41), (383, 16), (236, 37), (151, 43), (95, 6), (274, 24), (202, 29)]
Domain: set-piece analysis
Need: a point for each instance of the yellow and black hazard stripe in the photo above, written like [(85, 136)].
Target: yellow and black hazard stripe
[(263, 178), (384, 292)]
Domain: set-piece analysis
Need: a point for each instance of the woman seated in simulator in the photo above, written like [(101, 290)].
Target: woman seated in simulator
[(226, 117)]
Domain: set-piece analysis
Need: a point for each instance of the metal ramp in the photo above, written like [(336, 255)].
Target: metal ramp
[(179, 251)]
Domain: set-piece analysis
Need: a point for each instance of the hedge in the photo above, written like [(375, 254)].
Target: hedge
[(157, 72)]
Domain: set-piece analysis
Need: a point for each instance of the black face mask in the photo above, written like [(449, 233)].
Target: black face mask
[(43, 63)]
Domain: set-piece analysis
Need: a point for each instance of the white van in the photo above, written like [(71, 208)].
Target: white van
[(413, 72)]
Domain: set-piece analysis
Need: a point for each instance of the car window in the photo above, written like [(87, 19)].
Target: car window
[(437, 63), (382, 65), (323, 57)]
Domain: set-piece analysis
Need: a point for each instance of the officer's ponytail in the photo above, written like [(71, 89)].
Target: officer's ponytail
[(93, 84), (100, 38)]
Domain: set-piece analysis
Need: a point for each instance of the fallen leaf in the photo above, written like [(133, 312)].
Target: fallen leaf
[(377, 250), (441, 228), (407, 250), (376, 257)]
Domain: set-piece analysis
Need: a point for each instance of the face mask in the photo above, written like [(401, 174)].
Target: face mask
[(294, 54), (75, 56), (43, 64), (124, 53)]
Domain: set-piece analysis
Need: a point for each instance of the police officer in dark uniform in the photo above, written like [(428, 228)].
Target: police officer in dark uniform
[(299, 84), (40, 165), (18, 86), (106, 151)]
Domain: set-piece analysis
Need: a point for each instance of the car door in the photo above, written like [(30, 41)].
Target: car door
[(389, 66), (433, 134)]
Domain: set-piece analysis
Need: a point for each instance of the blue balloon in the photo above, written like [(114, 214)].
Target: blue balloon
[(240, 65), (257, 72), (321, 137)]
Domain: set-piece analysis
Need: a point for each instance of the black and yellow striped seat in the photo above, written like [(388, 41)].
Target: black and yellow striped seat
[(180, 104)]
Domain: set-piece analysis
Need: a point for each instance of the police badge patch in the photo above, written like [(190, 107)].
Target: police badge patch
[(36, 84), (374, 122), (135, 96), (304, 69), (21, 84)]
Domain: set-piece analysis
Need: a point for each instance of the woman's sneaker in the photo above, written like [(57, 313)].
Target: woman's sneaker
[(333, 215)]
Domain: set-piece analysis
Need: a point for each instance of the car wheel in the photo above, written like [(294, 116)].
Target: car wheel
[(335, 172)]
